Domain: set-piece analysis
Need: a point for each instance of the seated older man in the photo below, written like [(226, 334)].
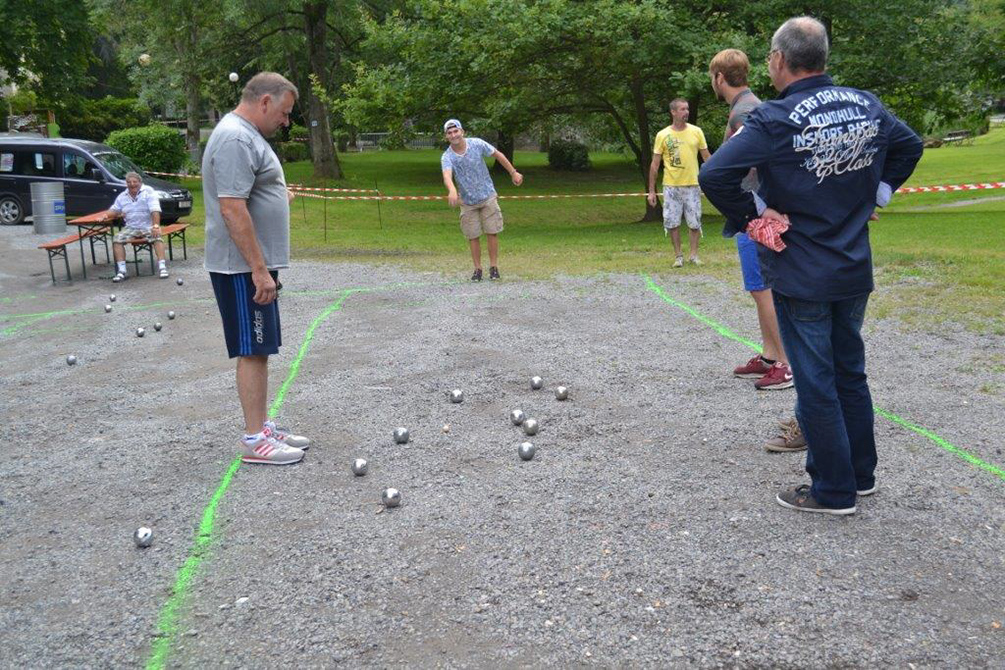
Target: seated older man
[(141, 209)]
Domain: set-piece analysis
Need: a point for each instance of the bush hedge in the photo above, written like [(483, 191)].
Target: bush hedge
[(96, 119), (155, 147), (568, 155), (290, 152)]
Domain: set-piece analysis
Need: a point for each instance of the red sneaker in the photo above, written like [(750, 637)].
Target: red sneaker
[(778, 377), (755, 368)]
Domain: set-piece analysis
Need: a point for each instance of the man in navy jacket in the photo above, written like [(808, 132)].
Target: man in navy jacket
[(826, 156)]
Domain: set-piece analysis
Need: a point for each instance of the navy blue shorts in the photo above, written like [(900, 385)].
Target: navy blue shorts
[(750, 265), (249, 328)]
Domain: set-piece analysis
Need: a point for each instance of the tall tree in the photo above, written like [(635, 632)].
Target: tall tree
[(46, 46)]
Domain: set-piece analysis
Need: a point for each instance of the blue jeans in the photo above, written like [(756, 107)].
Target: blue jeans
[(833, 406)]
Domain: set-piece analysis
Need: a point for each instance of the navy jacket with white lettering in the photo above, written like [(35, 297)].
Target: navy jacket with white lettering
[(825, 155)]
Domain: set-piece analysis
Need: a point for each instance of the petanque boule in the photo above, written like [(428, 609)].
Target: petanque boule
[(526, 451), (233, 77), (401, 435), (456, 396), (158, 326), (530, 426), (140, 332), (171, 315), (561, 393), (108, 308), (359, 467), (390, 497), (536, 383), (143, 537), (111, 298), (71, 360), (179, 281), (517, 417)]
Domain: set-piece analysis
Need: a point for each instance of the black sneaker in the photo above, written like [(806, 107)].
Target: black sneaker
[(800, 499), (494, 273), (477, 276)]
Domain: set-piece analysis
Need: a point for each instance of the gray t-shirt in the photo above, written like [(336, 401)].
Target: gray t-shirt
[(239, 163), (470, 171)]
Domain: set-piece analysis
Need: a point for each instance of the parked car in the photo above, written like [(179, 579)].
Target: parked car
[(92, 174)]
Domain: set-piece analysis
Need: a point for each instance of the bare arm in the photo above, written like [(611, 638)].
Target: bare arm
[(514, 175), (448, 181), (242, 231), (155, 219), (654, 169), (705, 155)]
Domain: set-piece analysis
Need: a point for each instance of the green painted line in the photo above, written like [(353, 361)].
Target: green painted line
[(900, 421), (308, 336), (167, 620)]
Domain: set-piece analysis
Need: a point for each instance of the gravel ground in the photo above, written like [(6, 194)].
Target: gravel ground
[(644, 533)]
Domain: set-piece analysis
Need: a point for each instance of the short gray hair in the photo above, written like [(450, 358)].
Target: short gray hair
[(268, 83), (134, 175), (803, 42)]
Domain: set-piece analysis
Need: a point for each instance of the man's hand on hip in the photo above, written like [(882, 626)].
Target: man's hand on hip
[(265, 287)]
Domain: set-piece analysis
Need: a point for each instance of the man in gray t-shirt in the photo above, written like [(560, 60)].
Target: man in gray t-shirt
[(247, 242), (464, 160)]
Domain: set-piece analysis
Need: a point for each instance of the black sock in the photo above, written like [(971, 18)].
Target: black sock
[(767, 361)]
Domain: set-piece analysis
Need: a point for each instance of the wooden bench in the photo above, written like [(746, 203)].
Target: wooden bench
[(57, 249), (169, 233), (960, 137)]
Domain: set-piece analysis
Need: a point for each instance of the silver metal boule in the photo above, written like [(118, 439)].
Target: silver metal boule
[(359, 467), (143, 537), (401, 435), (111, 298), (526, 451), (108, 308), (233, 77), (391, 497), (71, 360), (457, 396), (140, 332), (517, 416), (530, 426), (179, 281), (171, 314), (157, 326), (536, 383), (561, 393)]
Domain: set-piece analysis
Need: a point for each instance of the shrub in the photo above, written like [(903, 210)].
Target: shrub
[(155, 147), (299, 133), (568, 155), (96, 119), (290, 152)]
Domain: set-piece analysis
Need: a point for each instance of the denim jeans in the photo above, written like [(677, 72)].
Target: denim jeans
[(824, 344)]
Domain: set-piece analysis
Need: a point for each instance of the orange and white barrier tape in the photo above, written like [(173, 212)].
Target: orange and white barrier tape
[(952, 187)]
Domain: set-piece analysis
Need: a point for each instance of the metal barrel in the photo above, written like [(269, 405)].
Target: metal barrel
[(48, 207)]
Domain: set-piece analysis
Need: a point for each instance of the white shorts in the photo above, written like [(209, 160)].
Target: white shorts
[(679, 200)]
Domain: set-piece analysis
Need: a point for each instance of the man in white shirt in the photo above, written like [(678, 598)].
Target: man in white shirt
[(139, 206)]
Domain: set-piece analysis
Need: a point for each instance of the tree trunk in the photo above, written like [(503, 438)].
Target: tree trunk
[(504, 143), (193, 84), (642, 156), (326, 162)]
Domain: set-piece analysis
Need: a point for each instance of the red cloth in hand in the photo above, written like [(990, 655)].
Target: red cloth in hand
[(768, 232)]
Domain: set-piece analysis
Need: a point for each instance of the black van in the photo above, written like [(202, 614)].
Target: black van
[(92, 174)]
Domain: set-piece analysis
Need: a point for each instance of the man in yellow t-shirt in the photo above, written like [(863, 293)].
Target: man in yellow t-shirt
[(677, 147)]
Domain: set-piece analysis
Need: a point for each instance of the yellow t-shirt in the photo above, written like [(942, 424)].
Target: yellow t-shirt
[(680, 154)]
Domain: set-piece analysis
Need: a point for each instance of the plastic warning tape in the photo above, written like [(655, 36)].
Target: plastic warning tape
[(294, 187), (952, 187)]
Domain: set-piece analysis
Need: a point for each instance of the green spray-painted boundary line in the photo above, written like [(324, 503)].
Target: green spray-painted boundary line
[(900, 421), (167, 619)]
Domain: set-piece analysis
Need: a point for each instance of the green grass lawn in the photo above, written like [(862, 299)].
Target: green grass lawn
[(933, 262)]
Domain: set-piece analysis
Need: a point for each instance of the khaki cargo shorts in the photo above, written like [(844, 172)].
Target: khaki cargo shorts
[(483, 217), (127, 234)]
